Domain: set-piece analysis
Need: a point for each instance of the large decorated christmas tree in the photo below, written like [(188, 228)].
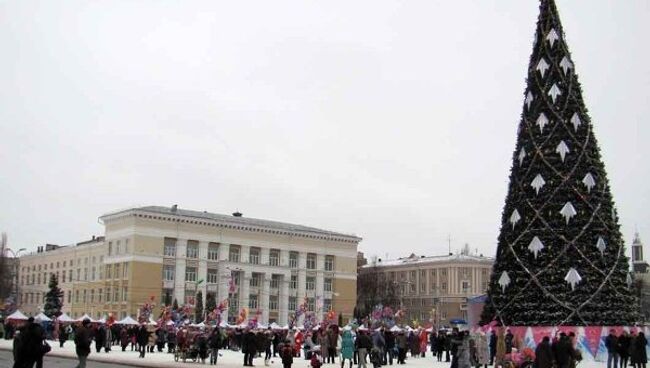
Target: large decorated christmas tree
[(560, 257)]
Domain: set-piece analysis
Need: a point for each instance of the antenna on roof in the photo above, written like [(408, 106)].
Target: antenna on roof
[(175, 208), (449, 243)]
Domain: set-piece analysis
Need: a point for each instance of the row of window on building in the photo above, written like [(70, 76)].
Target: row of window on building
[(112, 271), (234, 254), (409, 285), (212, 277), (108, 295)]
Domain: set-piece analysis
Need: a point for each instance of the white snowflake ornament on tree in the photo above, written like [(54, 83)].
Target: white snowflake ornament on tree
[(575, 120), (568, 211), (538, 183), (542, 121), (504, 280), (589, 182), (573, 278), (562, 149), (535, 246), (629, 280), (529, 99), (554, 92), (542, 67), (565, 64), (601, 245), (514, 218), (552, 36)]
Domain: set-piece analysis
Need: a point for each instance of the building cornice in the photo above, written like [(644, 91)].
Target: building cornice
[(224, 224)]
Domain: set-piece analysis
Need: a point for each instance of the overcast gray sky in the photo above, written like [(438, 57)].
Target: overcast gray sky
[(393, 120)]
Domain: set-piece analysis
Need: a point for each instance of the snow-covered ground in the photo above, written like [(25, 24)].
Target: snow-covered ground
[(227, 358)]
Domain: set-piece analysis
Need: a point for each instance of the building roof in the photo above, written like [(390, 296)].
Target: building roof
[(417, 260), (236, 220)]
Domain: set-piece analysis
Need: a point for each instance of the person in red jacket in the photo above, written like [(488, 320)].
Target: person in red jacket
[(300, 338)]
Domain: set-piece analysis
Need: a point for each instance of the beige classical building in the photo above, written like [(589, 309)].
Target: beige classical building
[(434, 288), (168, 253)]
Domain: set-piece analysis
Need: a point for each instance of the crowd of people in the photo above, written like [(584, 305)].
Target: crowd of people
[(347, 347)]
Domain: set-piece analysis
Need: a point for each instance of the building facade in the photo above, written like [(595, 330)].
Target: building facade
[(166, 253), (433, 289), (641, 272)]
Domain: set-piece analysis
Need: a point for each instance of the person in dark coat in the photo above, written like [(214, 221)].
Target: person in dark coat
[(493, 346), (624, 349), (214, 343), (613, 346), (638, 354), (29, 349), (124, 338), (509, 342), (142, 336), (544, 354), (390, 347), (100, 335), (82, 343), (249, 348), (563, 351), (63, 335), (286, 353)]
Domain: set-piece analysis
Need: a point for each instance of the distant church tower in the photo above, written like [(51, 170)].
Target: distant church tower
[(638, 264)]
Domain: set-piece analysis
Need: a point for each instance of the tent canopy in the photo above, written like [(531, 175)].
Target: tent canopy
[(17, 315), (42, 317), (80, 319), (395, 329), (127, 321), (64, 318)]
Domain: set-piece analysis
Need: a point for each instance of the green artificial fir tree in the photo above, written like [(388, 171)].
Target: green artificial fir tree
[(198, 309), (560, 258), (175, 305), (210, 303), (53, 303), (340, 319)]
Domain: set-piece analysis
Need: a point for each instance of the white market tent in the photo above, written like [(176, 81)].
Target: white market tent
[(275, 326), (102, 320), (65, 318), (363, 328), (395, 329), (17, 315), (127, 321), (430, 329), (223, 324), (42, 317), (170, 323), (80, 319), (152, 322)]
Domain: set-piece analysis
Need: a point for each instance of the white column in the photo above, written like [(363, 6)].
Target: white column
[(243, 255), (284, 258), (244, 289), (203, 269), (224, 251), (320, 292), (264, 296), (264, 256), (179, 278), (283, 315), (222, 288), (302, 283)]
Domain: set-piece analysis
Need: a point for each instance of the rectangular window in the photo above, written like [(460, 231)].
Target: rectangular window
[(327, 305), (63, 278), (76, 296), (117, 247), (233, 254), (255, 280), (192, 249), (252, 301), (274, 257), (99, 295), (190, 274), (116, 273), (329, 263), (423, 286), (109, 271), (465, 286), (273, 302), (69, 296), (213, 251), (292, 303), (126, 246), (125, 292), (84, 296), (108, 295), (311, 283), (412, 275), (116, 295), (275, 281), (443, 286), (101, 271), (254, 256), (293, 284), (110, 250), (92, 273), (310, 304), (170, 247), (125, 271), (293, 259), (213, 276), (169, 272), (86, 274), (78, 274), (327, 285), (311, 261)]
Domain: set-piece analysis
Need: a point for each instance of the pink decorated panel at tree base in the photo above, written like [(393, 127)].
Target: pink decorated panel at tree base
[(590, 340)]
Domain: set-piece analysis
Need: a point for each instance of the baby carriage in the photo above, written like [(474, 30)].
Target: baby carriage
[(199, 350)]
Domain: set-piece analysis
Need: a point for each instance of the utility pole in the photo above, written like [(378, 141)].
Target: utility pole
[(449, 242)]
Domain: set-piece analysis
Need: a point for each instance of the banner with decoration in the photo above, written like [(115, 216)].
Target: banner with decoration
[(590, 340)]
